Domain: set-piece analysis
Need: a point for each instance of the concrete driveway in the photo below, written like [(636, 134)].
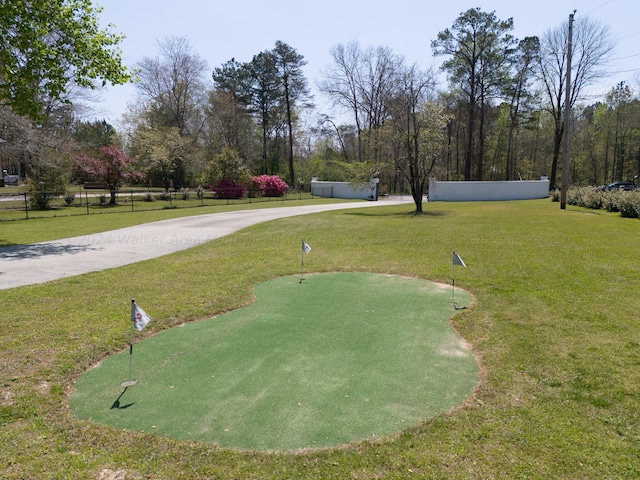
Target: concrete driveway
[(42, 262)]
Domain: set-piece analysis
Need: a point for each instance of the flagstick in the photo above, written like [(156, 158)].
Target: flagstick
[(302, 262), (131, 382), (453, 283)]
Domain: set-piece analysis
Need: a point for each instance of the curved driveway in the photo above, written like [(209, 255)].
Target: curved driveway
[(42, 262)]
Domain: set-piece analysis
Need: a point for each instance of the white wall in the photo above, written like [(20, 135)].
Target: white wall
[(365, 191), (487, 191)]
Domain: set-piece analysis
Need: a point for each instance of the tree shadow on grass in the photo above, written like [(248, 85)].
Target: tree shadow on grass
[(36, 250), (428, 213)]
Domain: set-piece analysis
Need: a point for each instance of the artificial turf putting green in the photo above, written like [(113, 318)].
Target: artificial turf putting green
[(337, 358)]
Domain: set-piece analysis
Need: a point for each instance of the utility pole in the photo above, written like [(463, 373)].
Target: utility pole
[(566, 151)]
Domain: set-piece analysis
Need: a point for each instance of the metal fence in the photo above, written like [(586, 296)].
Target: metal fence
[(23, 205)]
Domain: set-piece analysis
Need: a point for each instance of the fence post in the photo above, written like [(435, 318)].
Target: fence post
[(131, 192), (26, 205)]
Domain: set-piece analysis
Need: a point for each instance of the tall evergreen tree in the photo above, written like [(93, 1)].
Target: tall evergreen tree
[(479, 47), (289, 65)]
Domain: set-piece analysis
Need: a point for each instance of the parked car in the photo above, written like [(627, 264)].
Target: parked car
[(9, 179), (627, 186)]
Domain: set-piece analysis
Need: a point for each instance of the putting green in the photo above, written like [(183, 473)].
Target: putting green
[(337, 358)]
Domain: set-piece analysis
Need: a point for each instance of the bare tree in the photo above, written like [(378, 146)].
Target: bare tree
[(173, 84), (362, 82), (340, 82), (592, 43)]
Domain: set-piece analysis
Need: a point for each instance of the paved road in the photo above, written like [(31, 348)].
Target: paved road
[(42, 262)]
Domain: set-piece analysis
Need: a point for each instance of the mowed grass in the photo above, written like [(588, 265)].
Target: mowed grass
[(337, 358), (555, 328)]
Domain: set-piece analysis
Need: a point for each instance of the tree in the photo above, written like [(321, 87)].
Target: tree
[(46, 180), (518, 94), (264, 101), (419, 129), (289, 65), (173, 84), (159, 152), (592, 43), (93, 135), (619, 98), (226, 173), (229, 124), (112, 168), (362, 82), (172, 93), (480, 48), (48, 46), (340, 82)]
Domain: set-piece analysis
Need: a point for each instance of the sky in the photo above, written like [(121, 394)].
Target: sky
[(219, 30)]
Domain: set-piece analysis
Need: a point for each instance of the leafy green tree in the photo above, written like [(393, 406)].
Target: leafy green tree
[(46, 180), (273, 89), (229, 124), (234, 78), (47, 46), (160, 151), (93, 135), (226, 168), (255, 86)]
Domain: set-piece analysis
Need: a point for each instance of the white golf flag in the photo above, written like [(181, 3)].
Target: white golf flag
[(139, 317), (457, 260), (306, 248)]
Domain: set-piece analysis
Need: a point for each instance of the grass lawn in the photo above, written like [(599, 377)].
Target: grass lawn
[(555, 328)]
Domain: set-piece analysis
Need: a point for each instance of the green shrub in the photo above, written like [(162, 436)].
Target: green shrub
[(611, 201), (629, 204), (585, 197)]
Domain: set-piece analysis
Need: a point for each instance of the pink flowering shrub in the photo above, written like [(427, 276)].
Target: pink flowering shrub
[(270, 185), (227, 190)]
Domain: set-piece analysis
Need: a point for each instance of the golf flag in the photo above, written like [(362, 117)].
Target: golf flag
[(306, 248), (457, 260), (139, 317)]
